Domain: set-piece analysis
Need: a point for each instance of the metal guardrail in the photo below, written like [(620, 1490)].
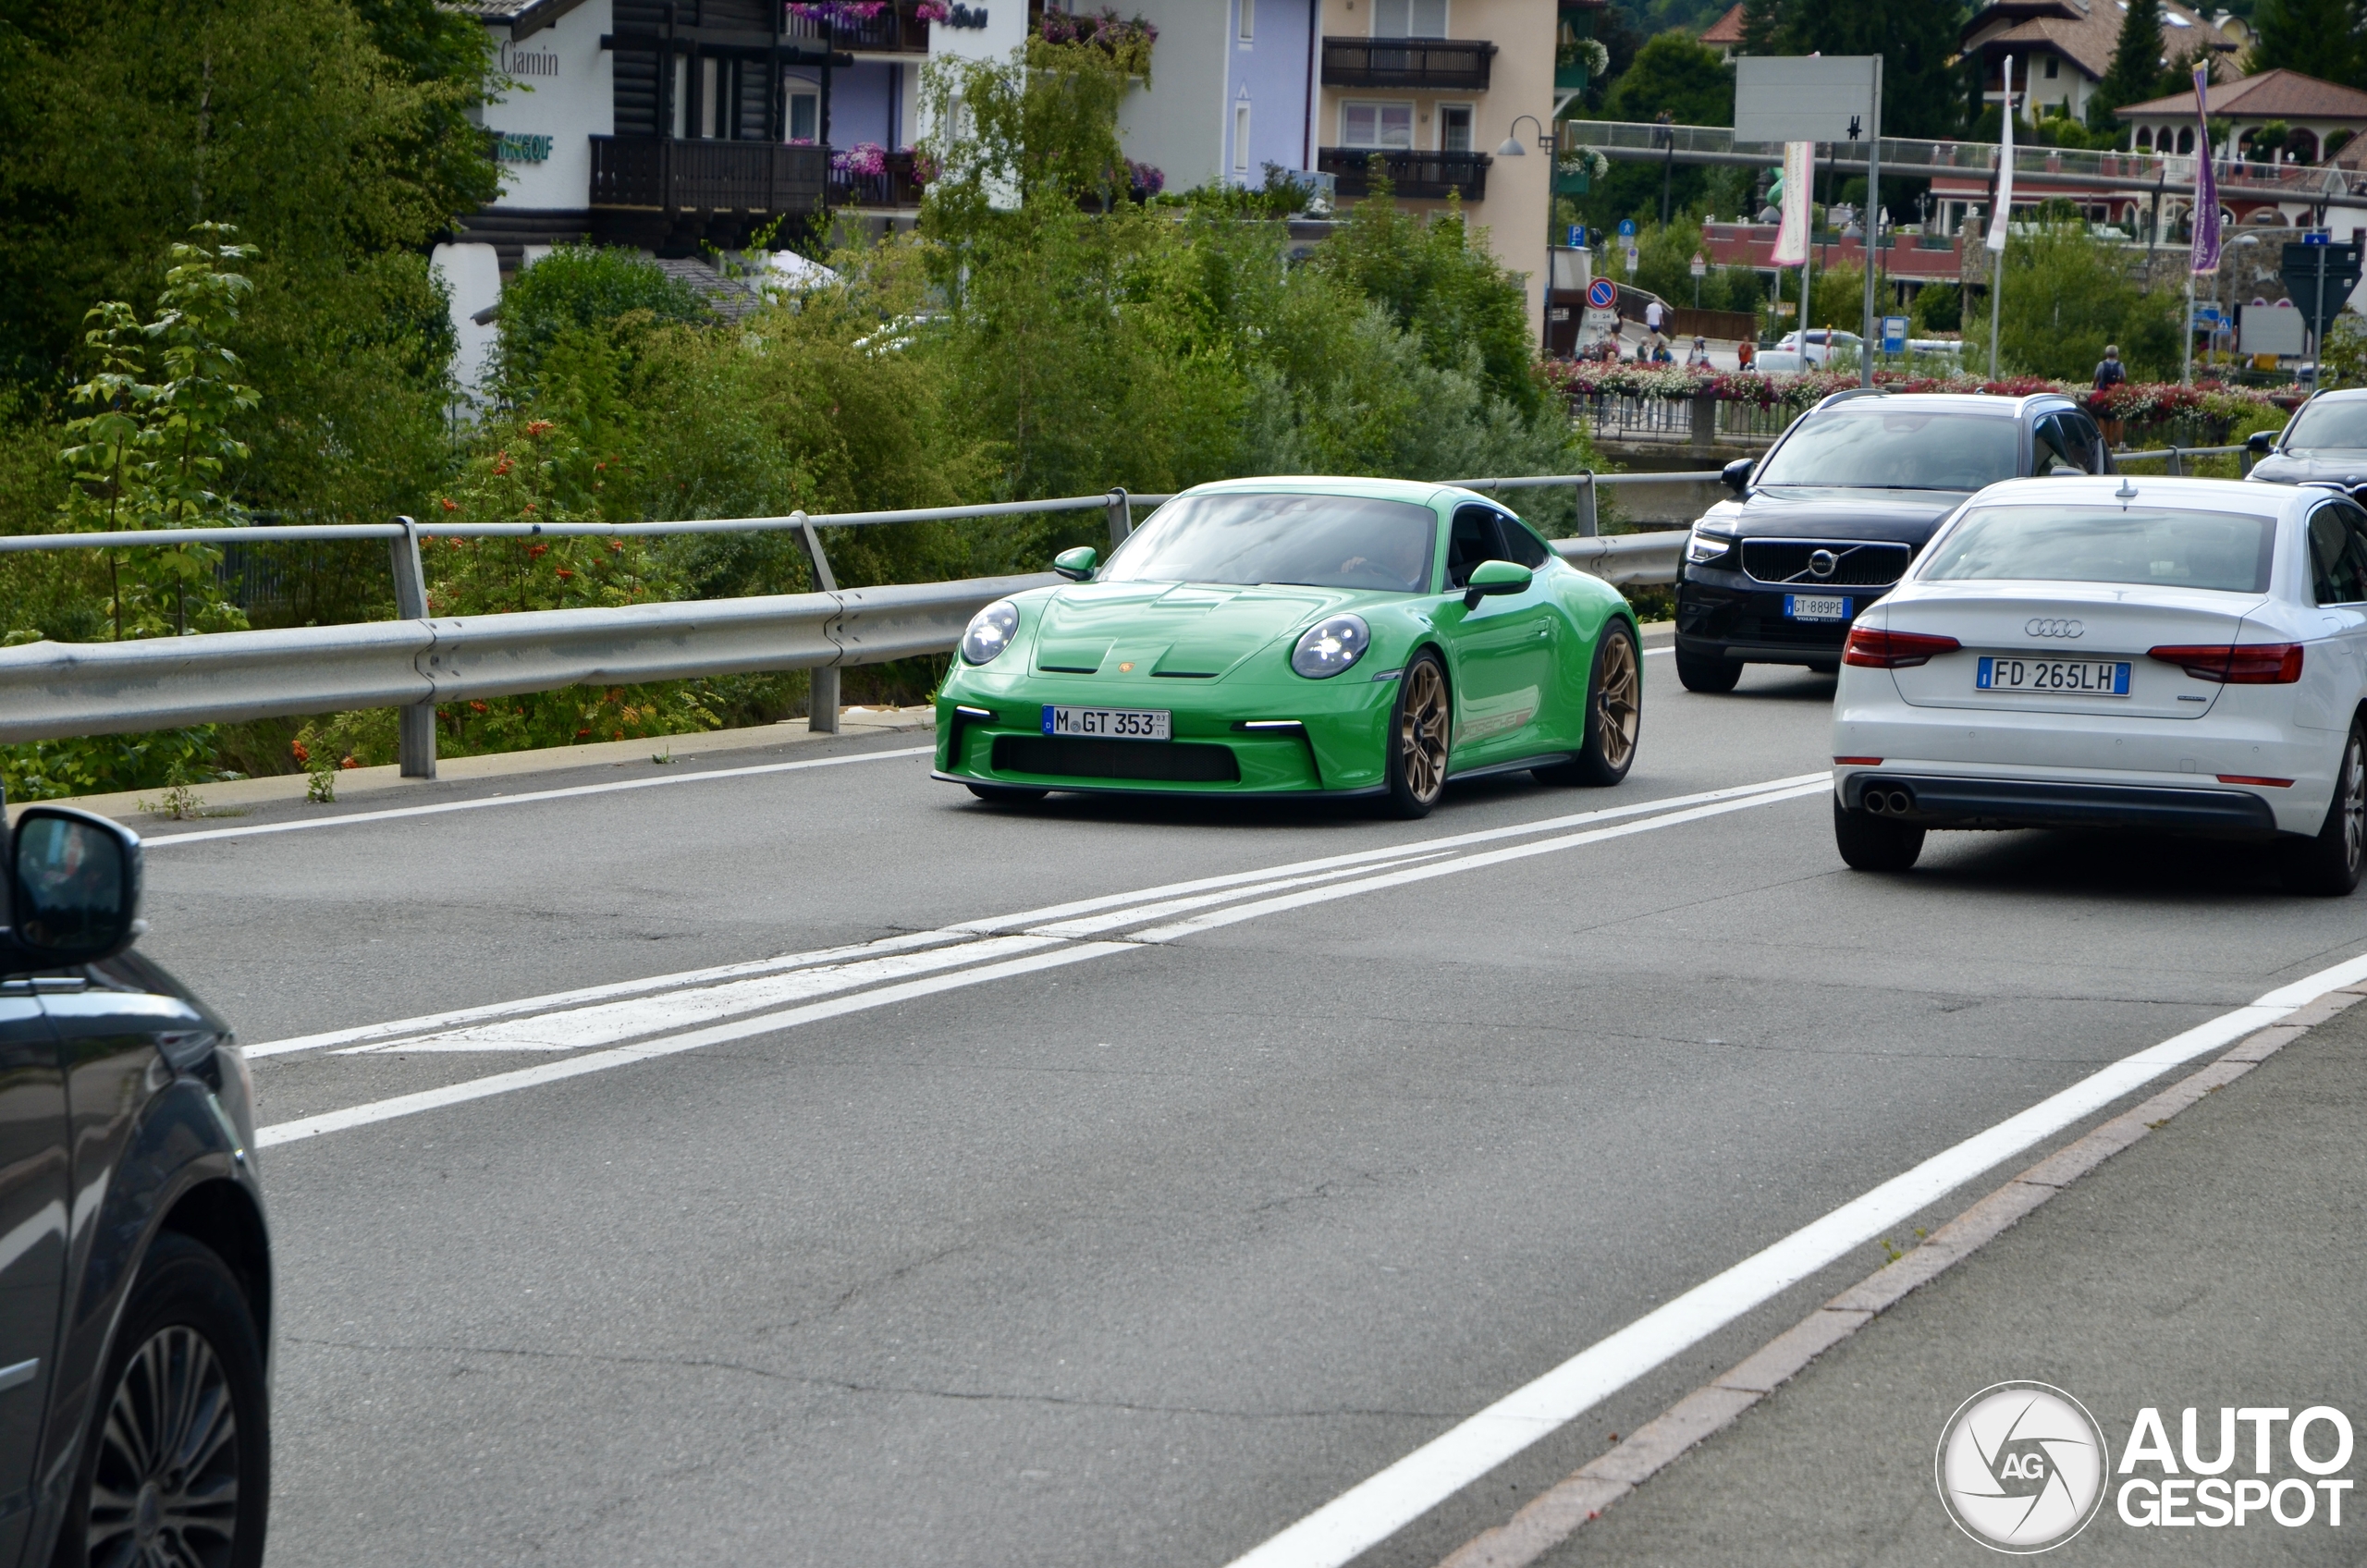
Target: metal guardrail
[(51, 690), (2177, 456)]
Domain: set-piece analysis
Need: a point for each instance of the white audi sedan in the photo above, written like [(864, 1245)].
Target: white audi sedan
[(2183, 655)]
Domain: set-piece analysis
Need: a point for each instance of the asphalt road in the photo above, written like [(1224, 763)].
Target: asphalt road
[(1134, 1241)]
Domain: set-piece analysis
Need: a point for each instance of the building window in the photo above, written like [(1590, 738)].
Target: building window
[(2144, 138), (1377, 125), (1409, 19), (1241, 139), (2186, 140), (1454, 128), (804, 116), (2052, 65), (711, 122), (1249, 20)]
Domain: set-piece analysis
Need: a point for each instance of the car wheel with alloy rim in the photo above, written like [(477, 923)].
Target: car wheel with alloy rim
[(2331, 863), (175, 1469), (1420, 729), (1614, 713)]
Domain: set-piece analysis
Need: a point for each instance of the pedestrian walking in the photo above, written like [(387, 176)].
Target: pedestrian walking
[(1745, 354), (2109, 375), (1699, 358)]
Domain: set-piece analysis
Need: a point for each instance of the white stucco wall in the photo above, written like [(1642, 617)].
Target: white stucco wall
[(472, 274), (1177, 123), (566, 90)]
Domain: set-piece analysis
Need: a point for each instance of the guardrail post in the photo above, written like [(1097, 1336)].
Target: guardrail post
[(1122, 516), (1588, 527), (2244, 463), (415, 729), (2177, 463), (822, 703)]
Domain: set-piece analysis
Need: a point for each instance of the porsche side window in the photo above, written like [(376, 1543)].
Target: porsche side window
[(2339, 554), (1471, 540), (1520, 545)]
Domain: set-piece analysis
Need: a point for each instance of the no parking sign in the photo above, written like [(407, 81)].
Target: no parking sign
[(1602, 293)]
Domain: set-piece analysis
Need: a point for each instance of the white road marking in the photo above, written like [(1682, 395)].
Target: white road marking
[(1650, 652), (1027, 920), (1379, 1507), (304, 823), (770, 1022)]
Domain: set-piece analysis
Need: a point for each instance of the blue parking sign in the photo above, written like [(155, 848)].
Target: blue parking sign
[(1894, 335)]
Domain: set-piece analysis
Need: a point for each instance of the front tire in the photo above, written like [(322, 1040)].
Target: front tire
[(1707, 673), (2329, 864), (176, 1464), (1872, 844), (1614, 713), (1421, 726)]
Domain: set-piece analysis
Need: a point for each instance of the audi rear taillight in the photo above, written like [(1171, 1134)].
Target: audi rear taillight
[(2235, 663), (1893, 650)]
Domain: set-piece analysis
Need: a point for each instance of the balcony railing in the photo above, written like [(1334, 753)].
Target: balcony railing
[(1410, 174), (669, 175), (1437, 64), (893, 31), (892, 187)]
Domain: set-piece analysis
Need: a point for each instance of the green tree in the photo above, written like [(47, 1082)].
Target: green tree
[(2326, 38), (578, 288), (2068, 295), (1918, 43), (2135, 70), (1762, 27), (1679, 76)]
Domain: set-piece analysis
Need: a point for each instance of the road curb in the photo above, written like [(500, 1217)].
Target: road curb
[(1558, 1513)]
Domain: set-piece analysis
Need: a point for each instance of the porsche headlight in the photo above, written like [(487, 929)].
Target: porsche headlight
[(1330, 646), (1705, 547), (991, 631)]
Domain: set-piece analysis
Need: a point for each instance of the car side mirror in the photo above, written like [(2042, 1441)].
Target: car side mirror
[(2259, 442), (1495, 577), (73, 886), (1737, 473), (1076, 564)]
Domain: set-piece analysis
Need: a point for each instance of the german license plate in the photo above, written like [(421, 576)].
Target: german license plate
[(1816, 606), (2077, 678), (1115, 724)]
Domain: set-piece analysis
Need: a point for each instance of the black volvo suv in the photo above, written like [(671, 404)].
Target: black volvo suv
[(135, 1272), (1824, 523)]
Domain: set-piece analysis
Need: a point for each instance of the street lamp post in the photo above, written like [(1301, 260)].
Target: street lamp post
[(1511, 148)]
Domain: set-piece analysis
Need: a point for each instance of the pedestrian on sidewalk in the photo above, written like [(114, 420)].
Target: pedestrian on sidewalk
[(2109, 375), (1699, 358), (1746, 353)]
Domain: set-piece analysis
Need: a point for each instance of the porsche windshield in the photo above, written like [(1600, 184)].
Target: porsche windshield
[(1896, 449), (1318, 541), (2153, 546), (2329, 427)]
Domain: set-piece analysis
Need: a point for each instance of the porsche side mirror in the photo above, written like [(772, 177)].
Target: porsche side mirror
[(73, 887), (1495, 577), (1737, 473), (2259, 442), (1076, 564)]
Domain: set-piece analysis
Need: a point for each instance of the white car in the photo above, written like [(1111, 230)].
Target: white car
[(1823, 341), (2176, 654)]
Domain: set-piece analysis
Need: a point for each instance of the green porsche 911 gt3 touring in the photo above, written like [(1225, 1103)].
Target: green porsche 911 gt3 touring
[(1319, 637)]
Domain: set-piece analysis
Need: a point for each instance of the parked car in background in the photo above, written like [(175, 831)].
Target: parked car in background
[(2325, 440), (1823, 524), (2175, 655), (1822, 343), (135, 1266)]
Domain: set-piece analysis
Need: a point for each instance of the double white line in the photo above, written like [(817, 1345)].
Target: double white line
[(637, 1021)]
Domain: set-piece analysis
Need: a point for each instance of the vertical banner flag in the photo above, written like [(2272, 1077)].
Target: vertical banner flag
[(2001, 212), (2205, 261), (1792, 233)]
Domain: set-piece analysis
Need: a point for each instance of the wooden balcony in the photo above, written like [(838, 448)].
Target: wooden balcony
[(664, 174), (893, 31), (1433, 175), (1433, 65), (894, 186)]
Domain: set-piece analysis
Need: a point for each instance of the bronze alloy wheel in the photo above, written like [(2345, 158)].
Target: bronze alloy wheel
[(1422, 730), (1618, 702), (165, 1492)]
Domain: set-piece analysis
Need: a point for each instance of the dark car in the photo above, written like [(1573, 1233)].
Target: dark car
[(2324, 441), (135, 1269), (1824, 523)]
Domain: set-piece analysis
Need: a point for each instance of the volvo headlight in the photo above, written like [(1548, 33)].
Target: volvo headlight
[(991, 631), (1330, 646), (1705, 547)]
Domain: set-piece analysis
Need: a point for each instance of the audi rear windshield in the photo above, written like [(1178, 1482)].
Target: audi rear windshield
[(2329, 427), (1317, 541), (2152, 547), (1893, 448)]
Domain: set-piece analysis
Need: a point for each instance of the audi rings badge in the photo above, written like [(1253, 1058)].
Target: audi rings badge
[(2041, 627), (1822, 563)]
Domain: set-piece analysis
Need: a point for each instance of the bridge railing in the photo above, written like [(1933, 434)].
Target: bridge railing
[(53, 691)]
